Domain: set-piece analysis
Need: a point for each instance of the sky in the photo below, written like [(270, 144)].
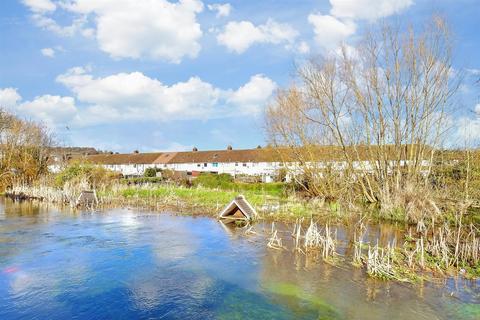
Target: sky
[(155, 75)]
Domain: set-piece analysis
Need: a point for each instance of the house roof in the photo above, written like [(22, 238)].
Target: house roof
[(315, 153), (247, 155), (165, 157), (129, 158)]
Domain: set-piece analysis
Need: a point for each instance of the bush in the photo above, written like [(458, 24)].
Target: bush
[(209, 180), (225, 182), (150, 172), (96, 176)]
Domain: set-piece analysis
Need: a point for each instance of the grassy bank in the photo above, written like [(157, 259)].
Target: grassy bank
[(269, 202)]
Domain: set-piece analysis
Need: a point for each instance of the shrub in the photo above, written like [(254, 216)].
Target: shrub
[(96, 176), (210, 180), (150, 172)]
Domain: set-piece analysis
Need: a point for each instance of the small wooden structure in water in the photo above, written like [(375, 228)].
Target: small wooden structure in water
[(238, 210), (87, 199)]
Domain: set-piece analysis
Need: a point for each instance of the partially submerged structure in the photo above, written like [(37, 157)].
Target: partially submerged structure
[(87, 199), (238, 210)]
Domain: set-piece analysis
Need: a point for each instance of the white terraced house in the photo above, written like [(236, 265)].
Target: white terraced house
[(261, 162)]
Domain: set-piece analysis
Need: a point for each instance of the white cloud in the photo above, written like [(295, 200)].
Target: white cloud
[(48, 52), (135, 96), (9, 98), (53, 110), (367, 9), (40, 6), (126, 97), (473, 71), (155, 29), (253, 94), (467, 132), (303, 47), (330, 31), (239, 36), (223, 10), (477, 109)]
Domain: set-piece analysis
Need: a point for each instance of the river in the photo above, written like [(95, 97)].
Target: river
[(126, 264)]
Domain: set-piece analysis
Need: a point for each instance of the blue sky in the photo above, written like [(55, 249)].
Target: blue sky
[(168, 75)]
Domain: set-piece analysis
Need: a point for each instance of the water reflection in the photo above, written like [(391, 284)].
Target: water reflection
[(61, 264)]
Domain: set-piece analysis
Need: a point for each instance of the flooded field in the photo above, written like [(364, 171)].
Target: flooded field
[(127, 264)]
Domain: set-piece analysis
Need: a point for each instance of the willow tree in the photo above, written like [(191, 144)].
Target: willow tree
[(24, 149), (384, 103)]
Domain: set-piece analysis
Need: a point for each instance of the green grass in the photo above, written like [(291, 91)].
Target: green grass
[(204, 197)]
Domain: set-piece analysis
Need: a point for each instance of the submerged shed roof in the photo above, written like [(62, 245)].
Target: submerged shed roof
[(238, 204)]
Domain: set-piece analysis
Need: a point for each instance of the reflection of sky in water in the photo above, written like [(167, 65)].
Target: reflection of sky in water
[(125, 264)]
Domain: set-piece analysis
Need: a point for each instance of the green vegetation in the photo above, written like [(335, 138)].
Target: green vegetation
[(225, 182), (150, 172), (95, 176), (200, 196)]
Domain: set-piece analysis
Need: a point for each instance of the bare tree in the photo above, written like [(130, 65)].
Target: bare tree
[(383, 103)]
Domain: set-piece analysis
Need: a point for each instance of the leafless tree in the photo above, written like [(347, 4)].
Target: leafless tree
[(384, 104)]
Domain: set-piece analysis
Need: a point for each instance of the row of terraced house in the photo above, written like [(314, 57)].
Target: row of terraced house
[(264, 163), (259, 162)]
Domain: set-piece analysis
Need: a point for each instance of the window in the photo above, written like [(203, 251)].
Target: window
[(244, 164), (198, 165), (215, 164), (205, 164), (236, 164)]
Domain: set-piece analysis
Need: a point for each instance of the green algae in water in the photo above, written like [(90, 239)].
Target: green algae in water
[(465, 311), (300, 298)]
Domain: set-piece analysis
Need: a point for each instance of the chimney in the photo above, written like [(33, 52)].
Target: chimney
[(229, 147)]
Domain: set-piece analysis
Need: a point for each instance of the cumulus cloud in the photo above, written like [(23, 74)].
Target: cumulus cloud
[(367, 9), (223, 10), (155, 29), (9, 98), (330, 31), (40, 6), (48, 52), (51, 109), (253, 94), (239, 36), (134, 96)]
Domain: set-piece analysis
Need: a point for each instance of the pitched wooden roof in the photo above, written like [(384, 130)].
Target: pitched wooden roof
[(241, 204)]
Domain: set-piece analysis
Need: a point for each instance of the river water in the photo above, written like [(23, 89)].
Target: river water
[(124, 264)]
